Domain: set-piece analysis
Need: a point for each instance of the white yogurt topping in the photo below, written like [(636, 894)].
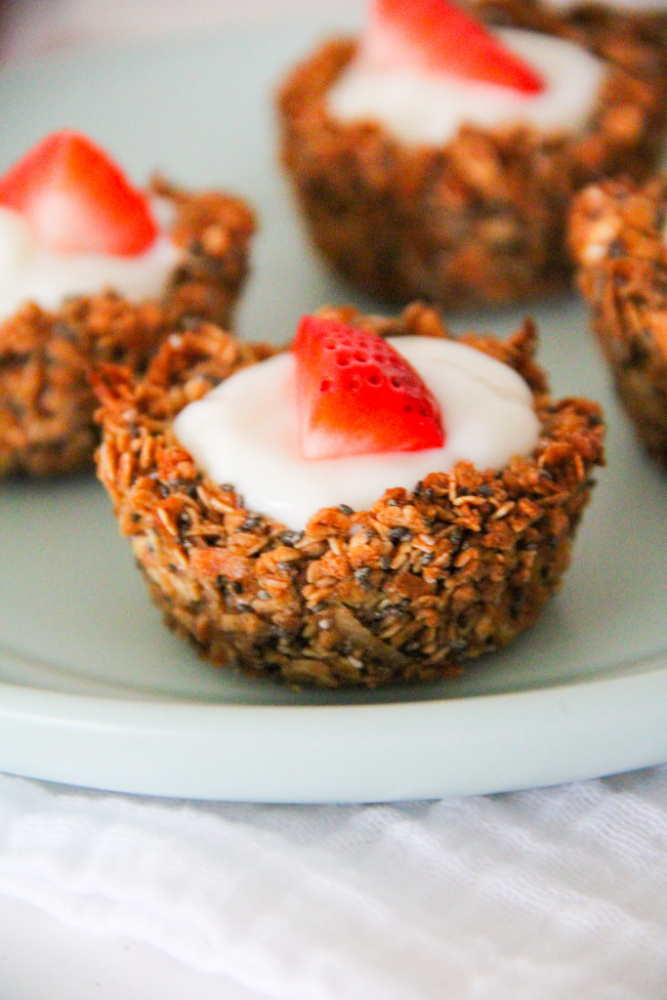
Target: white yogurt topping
[(245, 432), (28, 273), (429, 108)]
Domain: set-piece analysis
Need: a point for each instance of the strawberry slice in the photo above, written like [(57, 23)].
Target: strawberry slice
[(76, 200), (438, 36), (357, 395)]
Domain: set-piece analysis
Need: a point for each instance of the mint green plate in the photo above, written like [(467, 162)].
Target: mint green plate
[(95, 692)]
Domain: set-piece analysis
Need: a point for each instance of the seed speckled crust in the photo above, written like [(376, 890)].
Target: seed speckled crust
[(617, 232), (405, 590), (46, 402), (482, 219)]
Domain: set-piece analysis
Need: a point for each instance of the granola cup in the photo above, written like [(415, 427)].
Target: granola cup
[(633, 37), (482, 219), (403, 591), (618, 237), (46, 402)]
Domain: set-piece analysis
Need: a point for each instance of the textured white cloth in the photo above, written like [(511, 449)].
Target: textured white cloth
[(555, 894), (30, 27)]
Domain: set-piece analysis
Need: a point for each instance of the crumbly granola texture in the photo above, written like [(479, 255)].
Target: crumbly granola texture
[(404, 591), (632, 37), (481, 220), (617, 231), (46, 402)]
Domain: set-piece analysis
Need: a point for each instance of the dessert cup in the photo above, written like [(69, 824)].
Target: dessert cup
[(405, 590), (46, 402), (617, 233), (482, 218)]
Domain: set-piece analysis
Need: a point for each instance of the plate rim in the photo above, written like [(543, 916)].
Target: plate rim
[(177, 740)]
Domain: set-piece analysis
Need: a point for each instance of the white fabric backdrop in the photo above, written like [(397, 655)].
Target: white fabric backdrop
[(555, 894), (33, 26)]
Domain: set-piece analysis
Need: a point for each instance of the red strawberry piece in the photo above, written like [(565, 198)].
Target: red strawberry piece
[(439, 36), (76, 200), (357, 395)]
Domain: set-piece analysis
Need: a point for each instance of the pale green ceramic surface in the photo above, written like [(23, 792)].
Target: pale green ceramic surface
[(94, 691)]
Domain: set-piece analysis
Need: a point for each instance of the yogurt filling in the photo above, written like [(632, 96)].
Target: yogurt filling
[(429, 108), (28, 273), (245, 432)]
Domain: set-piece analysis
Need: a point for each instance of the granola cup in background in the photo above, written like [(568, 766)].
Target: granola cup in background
[(482, 219), (405, 590), (46, 402), (618, 236), (635, 33)]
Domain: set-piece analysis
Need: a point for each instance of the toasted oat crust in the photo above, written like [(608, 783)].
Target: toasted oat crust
[(617, 232), (634, 38), (46, 403), (481, 220), (405, 590)]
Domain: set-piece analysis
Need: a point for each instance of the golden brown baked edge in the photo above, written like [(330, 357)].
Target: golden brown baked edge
[(617, 232), (46, 402)]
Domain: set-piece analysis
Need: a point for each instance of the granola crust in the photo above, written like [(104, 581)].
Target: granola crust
[(482, 219), (405, 590), (617, 232), (46, 402), (634, 38)]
